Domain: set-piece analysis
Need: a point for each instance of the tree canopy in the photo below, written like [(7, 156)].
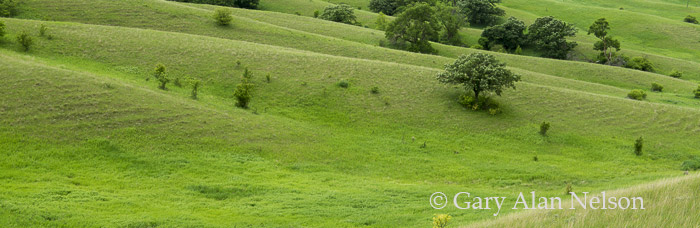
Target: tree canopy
[(548, 35), (599, 29), (418, 26), (479, 73), (510, 34), (481, 12), (339, 13)]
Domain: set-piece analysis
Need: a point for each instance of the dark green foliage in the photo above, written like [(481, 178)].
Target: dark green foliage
[(451, 21), (569, 189), (161, 76), (482, 103), (637, 94), (381, 21), (640, 63), (484, 43), (374, 90), (479, 73), (343, 84), (339, 13), (676, 74), (697, 92), (417, 26), (247, 4), (657, 87), (317, 13), (638, 146), (600, 28), (9, 8), (268, 78), (535, 158), (548, 35), (481, 12), (223, 17), (25, 40), (2, 29), (691, 19), (692, 164), (544, 127), (510, 34), (391, 7)]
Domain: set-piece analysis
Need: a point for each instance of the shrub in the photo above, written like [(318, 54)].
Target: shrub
[(477, 46), (535, 158), (223, 16), (518, 51), (9, 8), (638, 145), (569, 189), (195, 84), (42, 30), (640, 63), (692, 164), (655, 87), (25, 40), (483, 103), (544, 127), (697, 92), (637, 94), (243, 91), (374, 90), (441, 220), (494, 111), (161, 76), (690, 19), (2, 29), (339, 13), (343, 84), (676, 74), (268, 78), (317, 13)]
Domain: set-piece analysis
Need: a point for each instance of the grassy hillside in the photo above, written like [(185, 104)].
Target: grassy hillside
[(673, 204), (84, 129)]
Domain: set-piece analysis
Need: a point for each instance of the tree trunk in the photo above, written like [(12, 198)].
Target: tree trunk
[(476, 95)]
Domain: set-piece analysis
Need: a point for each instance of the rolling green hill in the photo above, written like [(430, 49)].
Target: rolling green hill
[(90, 141)]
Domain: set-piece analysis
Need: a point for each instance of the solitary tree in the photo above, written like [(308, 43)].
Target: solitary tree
[(417, 26), (339, 13), (243, 91), (161, 76), (600, 28), (510, 34), (451, 20), (480, 73), (548, 35), (481, 12)]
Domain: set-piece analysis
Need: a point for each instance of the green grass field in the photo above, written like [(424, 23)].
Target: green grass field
[(88, 140)]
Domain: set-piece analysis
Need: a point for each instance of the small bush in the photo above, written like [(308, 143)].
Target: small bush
[(42, 30), (268, 78), (9, 8), (161, 76), (638, 145), (676, 74), (343, 84), (518, 51), (374, 90), (655, 87), (477, 46), (697, 92), (441, 220), (177, 82), (640, 63), (2, 29), (243, 94), (690, 19), (569, 189), (25, 40), (195, 84), (495, 111), (692, 164), (484, 103), (544, 127), (535, 158), (317, 13), (223, 16), (637, 94)]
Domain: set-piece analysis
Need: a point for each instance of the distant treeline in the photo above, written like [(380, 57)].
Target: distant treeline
[(248, 4)]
